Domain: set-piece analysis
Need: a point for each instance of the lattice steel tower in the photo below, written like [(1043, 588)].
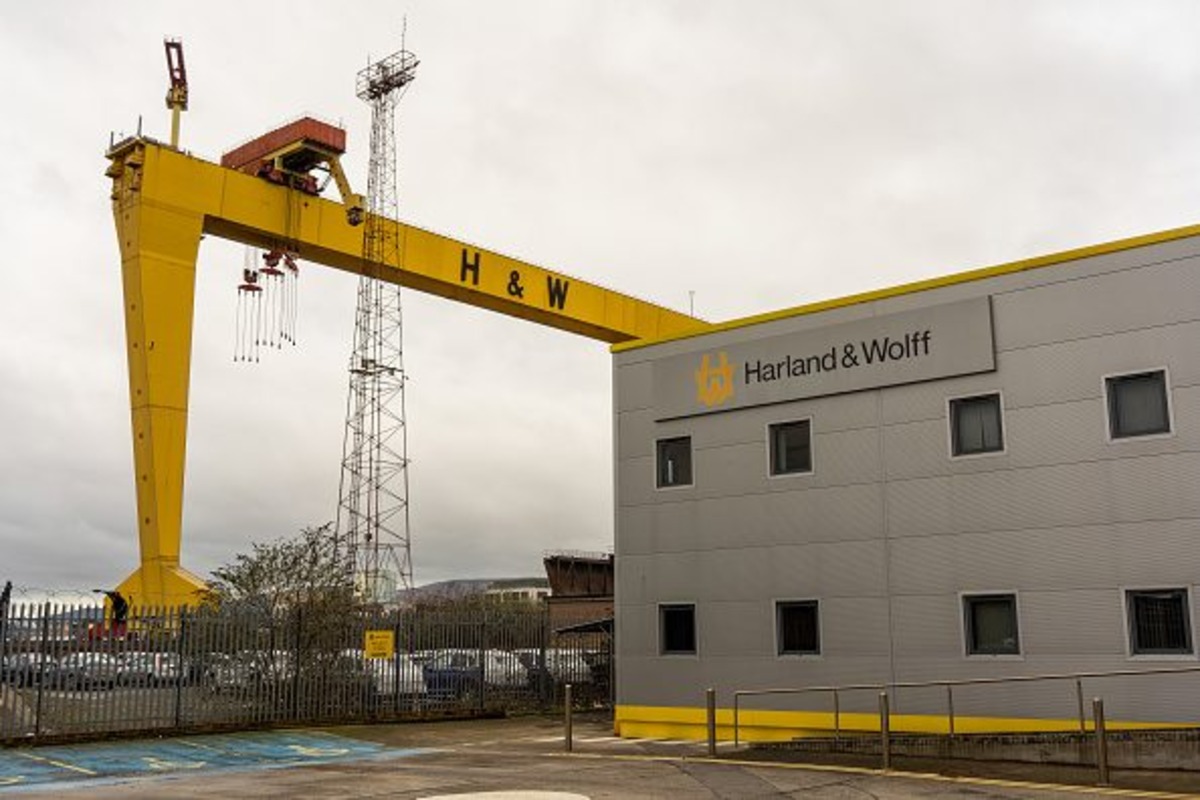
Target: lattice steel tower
[(373, 521)]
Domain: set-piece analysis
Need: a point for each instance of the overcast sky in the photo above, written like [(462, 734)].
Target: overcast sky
[(758, 154)]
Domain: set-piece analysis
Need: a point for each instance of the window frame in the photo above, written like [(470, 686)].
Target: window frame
[(662, 608), (777, 607), (967, 626), (952, 428), (1127, 594), (1108, 380), (812, 461), (658, 445)]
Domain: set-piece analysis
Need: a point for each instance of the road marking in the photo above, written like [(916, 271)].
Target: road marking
[(111, 760), (317, 752), (508, 795), (164, 764), (56, 763), (198, 745)]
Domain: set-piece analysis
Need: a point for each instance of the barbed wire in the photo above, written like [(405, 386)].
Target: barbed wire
[(27, 593)]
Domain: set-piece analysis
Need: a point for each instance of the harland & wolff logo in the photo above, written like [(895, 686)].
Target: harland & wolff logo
[(714, 384)]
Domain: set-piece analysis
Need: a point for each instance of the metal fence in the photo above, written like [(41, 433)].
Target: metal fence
[(1005, 707), (66, 671)]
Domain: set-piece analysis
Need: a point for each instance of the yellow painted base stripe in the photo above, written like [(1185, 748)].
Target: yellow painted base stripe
[(681, 722), (982, 273)]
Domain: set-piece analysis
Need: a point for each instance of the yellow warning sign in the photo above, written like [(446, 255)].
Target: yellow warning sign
[(379, 644)]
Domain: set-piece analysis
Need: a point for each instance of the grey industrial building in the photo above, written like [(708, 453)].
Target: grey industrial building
[(994, 473)]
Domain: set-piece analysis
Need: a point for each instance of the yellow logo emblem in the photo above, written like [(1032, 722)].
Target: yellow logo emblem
[(714, 385)]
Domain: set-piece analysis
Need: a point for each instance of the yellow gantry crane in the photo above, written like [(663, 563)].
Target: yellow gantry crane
[(164, 200)]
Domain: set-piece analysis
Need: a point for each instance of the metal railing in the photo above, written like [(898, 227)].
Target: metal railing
[(838, 691)]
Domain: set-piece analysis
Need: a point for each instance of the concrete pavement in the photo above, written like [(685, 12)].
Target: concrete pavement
[(518, 757)]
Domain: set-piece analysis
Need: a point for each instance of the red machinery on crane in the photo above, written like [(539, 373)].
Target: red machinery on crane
[(288, 155)]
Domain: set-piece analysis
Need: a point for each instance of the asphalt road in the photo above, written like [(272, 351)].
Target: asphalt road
[(494, 759)]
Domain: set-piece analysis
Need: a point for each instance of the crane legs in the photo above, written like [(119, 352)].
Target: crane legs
[(159, 245)]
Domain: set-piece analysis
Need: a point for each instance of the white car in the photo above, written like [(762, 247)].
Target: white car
[(562, 666), (408, 682)]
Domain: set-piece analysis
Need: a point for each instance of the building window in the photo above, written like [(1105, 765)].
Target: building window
[(1159, 623), (797, 630), (791, 447), (991, 623), (677, 629), (975, 425), (1137, 404), (675, 462)]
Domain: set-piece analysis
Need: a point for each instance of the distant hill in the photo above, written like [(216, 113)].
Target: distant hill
[(457, 589)]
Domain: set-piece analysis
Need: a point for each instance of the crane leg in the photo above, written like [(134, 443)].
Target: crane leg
[(159, 245)]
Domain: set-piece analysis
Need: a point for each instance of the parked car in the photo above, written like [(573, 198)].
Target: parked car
[(135, 669), (87, 670), (231, 672), (149, 669), (557, 664), (26, 669), (408, 682), (452, 674)]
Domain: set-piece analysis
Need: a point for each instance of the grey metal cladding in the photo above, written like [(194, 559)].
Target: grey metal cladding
[(825, 569), (1063, 495), (1097, 305), (1143, 553), (889, 530), (835, 514)]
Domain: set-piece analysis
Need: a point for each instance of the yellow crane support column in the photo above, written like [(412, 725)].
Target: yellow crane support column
[(165, 200), (159, 245)]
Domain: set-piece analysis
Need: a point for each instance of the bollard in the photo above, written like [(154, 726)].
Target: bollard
[(737, 734), (1101, 742), (950, 710), (837, 717), (567, 743), (710, 702), (1079, 701), (885, 731)]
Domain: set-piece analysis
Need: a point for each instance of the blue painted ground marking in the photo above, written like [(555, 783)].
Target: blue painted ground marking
[(36, 767)]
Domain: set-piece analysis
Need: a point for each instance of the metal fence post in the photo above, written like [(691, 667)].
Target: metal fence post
[(41, 669), (950, 709), (610, 647), (296, 663), (1101, 742), (885, 730), (1079, 701), (736, 732), (483, 635), (710, 702), (179, 667), (397, 643), (837, 717), (542, 669), (567, 733)]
